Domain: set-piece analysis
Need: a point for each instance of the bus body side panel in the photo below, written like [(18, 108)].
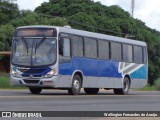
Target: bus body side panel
[(97, 74), (136, 72), (65, 75), (103, 74), (109, 75), (139, 77), (88, 67)]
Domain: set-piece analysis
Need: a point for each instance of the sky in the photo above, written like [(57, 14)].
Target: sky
[(147, 11)]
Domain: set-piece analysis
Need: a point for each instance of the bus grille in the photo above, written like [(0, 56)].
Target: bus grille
[(31, 81)]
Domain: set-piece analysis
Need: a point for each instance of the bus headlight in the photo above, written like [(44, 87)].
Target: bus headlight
[(51, 73), (15, 73)]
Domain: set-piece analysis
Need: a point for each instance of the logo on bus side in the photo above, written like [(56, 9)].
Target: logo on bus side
[(128, 68)]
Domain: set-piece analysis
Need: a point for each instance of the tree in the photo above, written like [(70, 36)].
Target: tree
[(82, 21), (8, 11), (6, 35)]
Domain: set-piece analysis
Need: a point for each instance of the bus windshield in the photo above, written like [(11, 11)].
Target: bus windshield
[(34, 51)]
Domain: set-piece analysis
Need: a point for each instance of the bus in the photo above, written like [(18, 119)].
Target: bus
[(52, 57)]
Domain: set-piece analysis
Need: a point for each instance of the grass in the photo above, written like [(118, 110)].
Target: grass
[(157, 84), (5, 82), (147, 88)]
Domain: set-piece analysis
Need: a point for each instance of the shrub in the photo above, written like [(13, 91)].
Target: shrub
[(157, 84), (4, 82)]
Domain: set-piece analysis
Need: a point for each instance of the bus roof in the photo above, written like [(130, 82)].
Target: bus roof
[(89, 34)]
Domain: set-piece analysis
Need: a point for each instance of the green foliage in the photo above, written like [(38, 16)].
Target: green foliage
[(4, 82), (6, 35), (147, 88), (31, 18), (8, 11), (157, 84), (116, 12), (84, 20)]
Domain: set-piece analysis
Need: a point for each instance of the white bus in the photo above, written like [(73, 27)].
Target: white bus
[(45, 57)]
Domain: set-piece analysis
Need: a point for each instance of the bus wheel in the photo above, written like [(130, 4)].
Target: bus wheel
[(35, 90), (76, 85), (91, 91), (125, 89)]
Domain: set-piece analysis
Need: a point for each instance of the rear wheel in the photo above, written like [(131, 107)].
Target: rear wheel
[(35, 90), (125, 89), (76, 85), (91, 91)]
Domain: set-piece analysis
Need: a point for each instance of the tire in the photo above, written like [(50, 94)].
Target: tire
[(76, 85), (35, 90), (91, 91), (125, 89)]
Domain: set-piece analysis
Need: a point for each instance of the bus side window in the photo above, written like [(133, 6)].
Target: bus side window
[(64, 47)]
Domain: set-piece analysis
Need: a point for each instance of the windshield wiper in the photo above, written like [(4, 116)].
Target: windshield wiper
[(38, 45), (25, 44)]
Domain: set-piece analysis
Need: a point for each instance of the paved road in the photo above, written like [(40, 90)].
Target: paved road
[(57, 100)]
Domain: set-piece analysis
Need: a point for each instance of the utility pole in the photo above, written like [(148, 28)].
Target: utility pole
[(132, 8)]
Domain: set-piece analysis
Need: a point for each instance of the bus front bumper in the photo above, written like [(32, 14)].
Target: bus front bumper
[(35, 82)]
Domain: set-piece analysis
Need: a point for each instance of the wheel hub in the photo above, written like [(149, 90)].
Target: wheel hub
[(76, 84)]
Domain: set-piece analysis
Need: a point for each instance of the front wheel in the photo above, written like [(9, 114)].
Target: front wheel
[(35, 90), (125, 89), (76, 85)]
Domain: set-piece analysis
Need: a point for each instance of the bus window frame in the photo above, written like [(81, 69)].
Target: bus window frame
[(72, 48), (109, 53), (142, 61), (91, 38), (62, 58), (112, 51), (132, 53)]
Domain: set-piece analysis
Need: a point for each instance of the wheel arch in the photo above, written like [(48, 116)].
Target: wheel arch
[(129, 78), (80, 73)]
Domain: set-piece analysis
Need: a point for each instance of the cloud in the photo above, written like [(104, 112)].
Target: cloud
[(149, 12), (30, 4)]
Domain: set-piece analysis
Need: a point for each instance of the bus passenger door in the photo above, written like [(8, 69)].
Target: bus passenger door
[(65, 64)]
